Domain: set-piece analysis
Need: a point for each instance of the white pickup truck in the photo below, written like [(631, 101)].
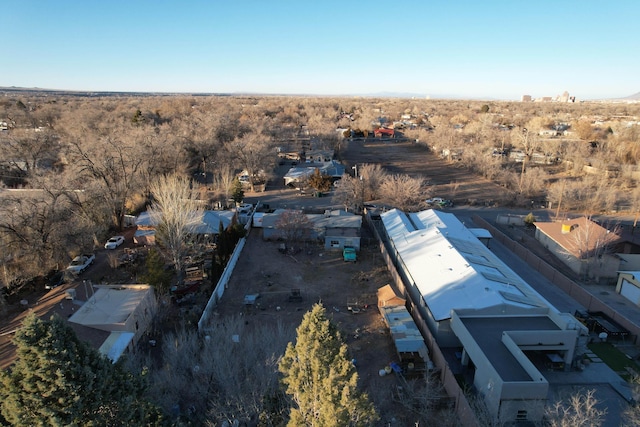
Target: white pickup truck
[(80, 263)]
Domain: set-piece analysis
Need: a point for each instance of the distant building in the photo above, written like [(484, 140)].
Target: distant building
[(526, 98)]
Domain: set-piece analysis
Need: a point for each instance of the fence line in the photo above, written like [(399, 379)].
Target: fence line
[(223, 282)]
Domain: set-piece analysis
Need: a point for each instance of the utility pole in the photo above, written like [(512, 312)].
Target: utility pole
[(560, 199)]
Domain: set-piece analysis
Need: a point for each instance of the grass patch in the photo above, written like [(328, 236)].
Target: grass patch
[(614, 358)]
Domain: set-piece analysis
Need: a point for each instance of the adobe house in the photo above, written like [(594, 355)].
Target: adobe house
[(582, 245)]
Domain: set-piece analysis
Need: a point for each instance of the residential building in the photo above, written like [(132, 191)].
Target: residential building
[(336, 228), (297, 175), (207, 224), (123, 311), (587, 248), (629, 286)]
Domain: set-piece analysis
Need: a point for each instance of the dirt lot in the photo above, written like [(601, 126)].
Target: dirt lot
[(446, 179), (321, 276)]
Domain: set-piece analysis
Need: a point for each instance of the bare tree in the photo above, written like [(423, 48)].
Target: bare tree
[(176, 210), (403, 191), (635, 204), (110, 167), (294, 225), (254, 153), (583, 129), (531, 184), (223, 183), (631, 415), (579, 409), (29, 149), (34, 228), (350, 193), (228, 374), (372, 176), (528, 141), (423, 400)]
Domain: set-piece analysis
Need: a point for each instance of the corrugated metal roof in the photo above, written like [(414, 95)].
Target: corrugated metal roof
[(405, 333), (451, 268), (208, 223), (110, 306)]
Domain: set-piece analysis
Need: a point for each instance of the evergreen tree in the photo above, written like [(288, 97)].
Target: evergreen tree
[(59, 380), (320, 182), (237, 193), (156, 275), (320, 378)]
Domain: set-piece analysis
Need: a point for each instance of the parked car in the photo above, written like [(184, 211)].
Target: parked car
[(114, 242), (81, 263), (434, 201), (55, 278)]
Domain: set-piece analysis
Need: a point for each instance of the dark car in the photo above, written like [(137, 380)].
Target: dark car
[(54, 279)]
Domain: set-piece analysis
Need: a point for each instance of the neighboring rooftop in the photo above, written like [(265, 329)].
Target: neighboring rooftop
[(110, 306), (580, 237)]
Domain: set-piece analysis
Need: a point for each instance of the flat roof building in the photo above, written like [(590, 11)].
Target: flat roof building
[(471, 300)]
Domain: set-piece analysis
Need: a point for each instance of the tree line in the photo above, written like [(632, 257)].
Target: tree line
[(90, 161)]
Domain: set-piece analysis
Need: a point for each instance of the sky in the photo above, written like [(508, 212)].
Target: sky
[(443, 49)]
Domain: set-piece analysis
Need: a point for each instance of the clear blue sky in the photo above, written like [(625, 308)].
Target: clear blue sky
[(465, 49)]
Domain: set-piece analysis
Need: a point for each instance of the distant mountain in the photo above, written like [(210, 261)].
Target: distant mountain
[(635, 96)]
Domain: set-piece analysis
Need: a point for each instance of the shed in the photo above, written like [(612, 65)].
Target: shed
[(387, 297), (407, 339)]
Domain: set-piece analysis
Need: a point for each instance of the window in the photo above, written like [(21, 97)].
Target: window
[(335, 244), (521, 415)]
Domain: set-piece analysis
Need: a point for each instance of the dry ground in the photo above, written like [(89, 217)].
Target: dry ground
[(321, 276), (445, 179)]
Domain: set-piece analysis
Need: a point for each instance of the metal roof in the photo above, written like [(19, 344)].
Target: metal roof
[(110, 305), (450, 267), (405, 333)]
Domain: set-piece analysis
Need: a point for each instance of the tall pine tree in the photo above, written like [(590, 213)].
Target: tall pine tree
[(59, 380), (320, 378)]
